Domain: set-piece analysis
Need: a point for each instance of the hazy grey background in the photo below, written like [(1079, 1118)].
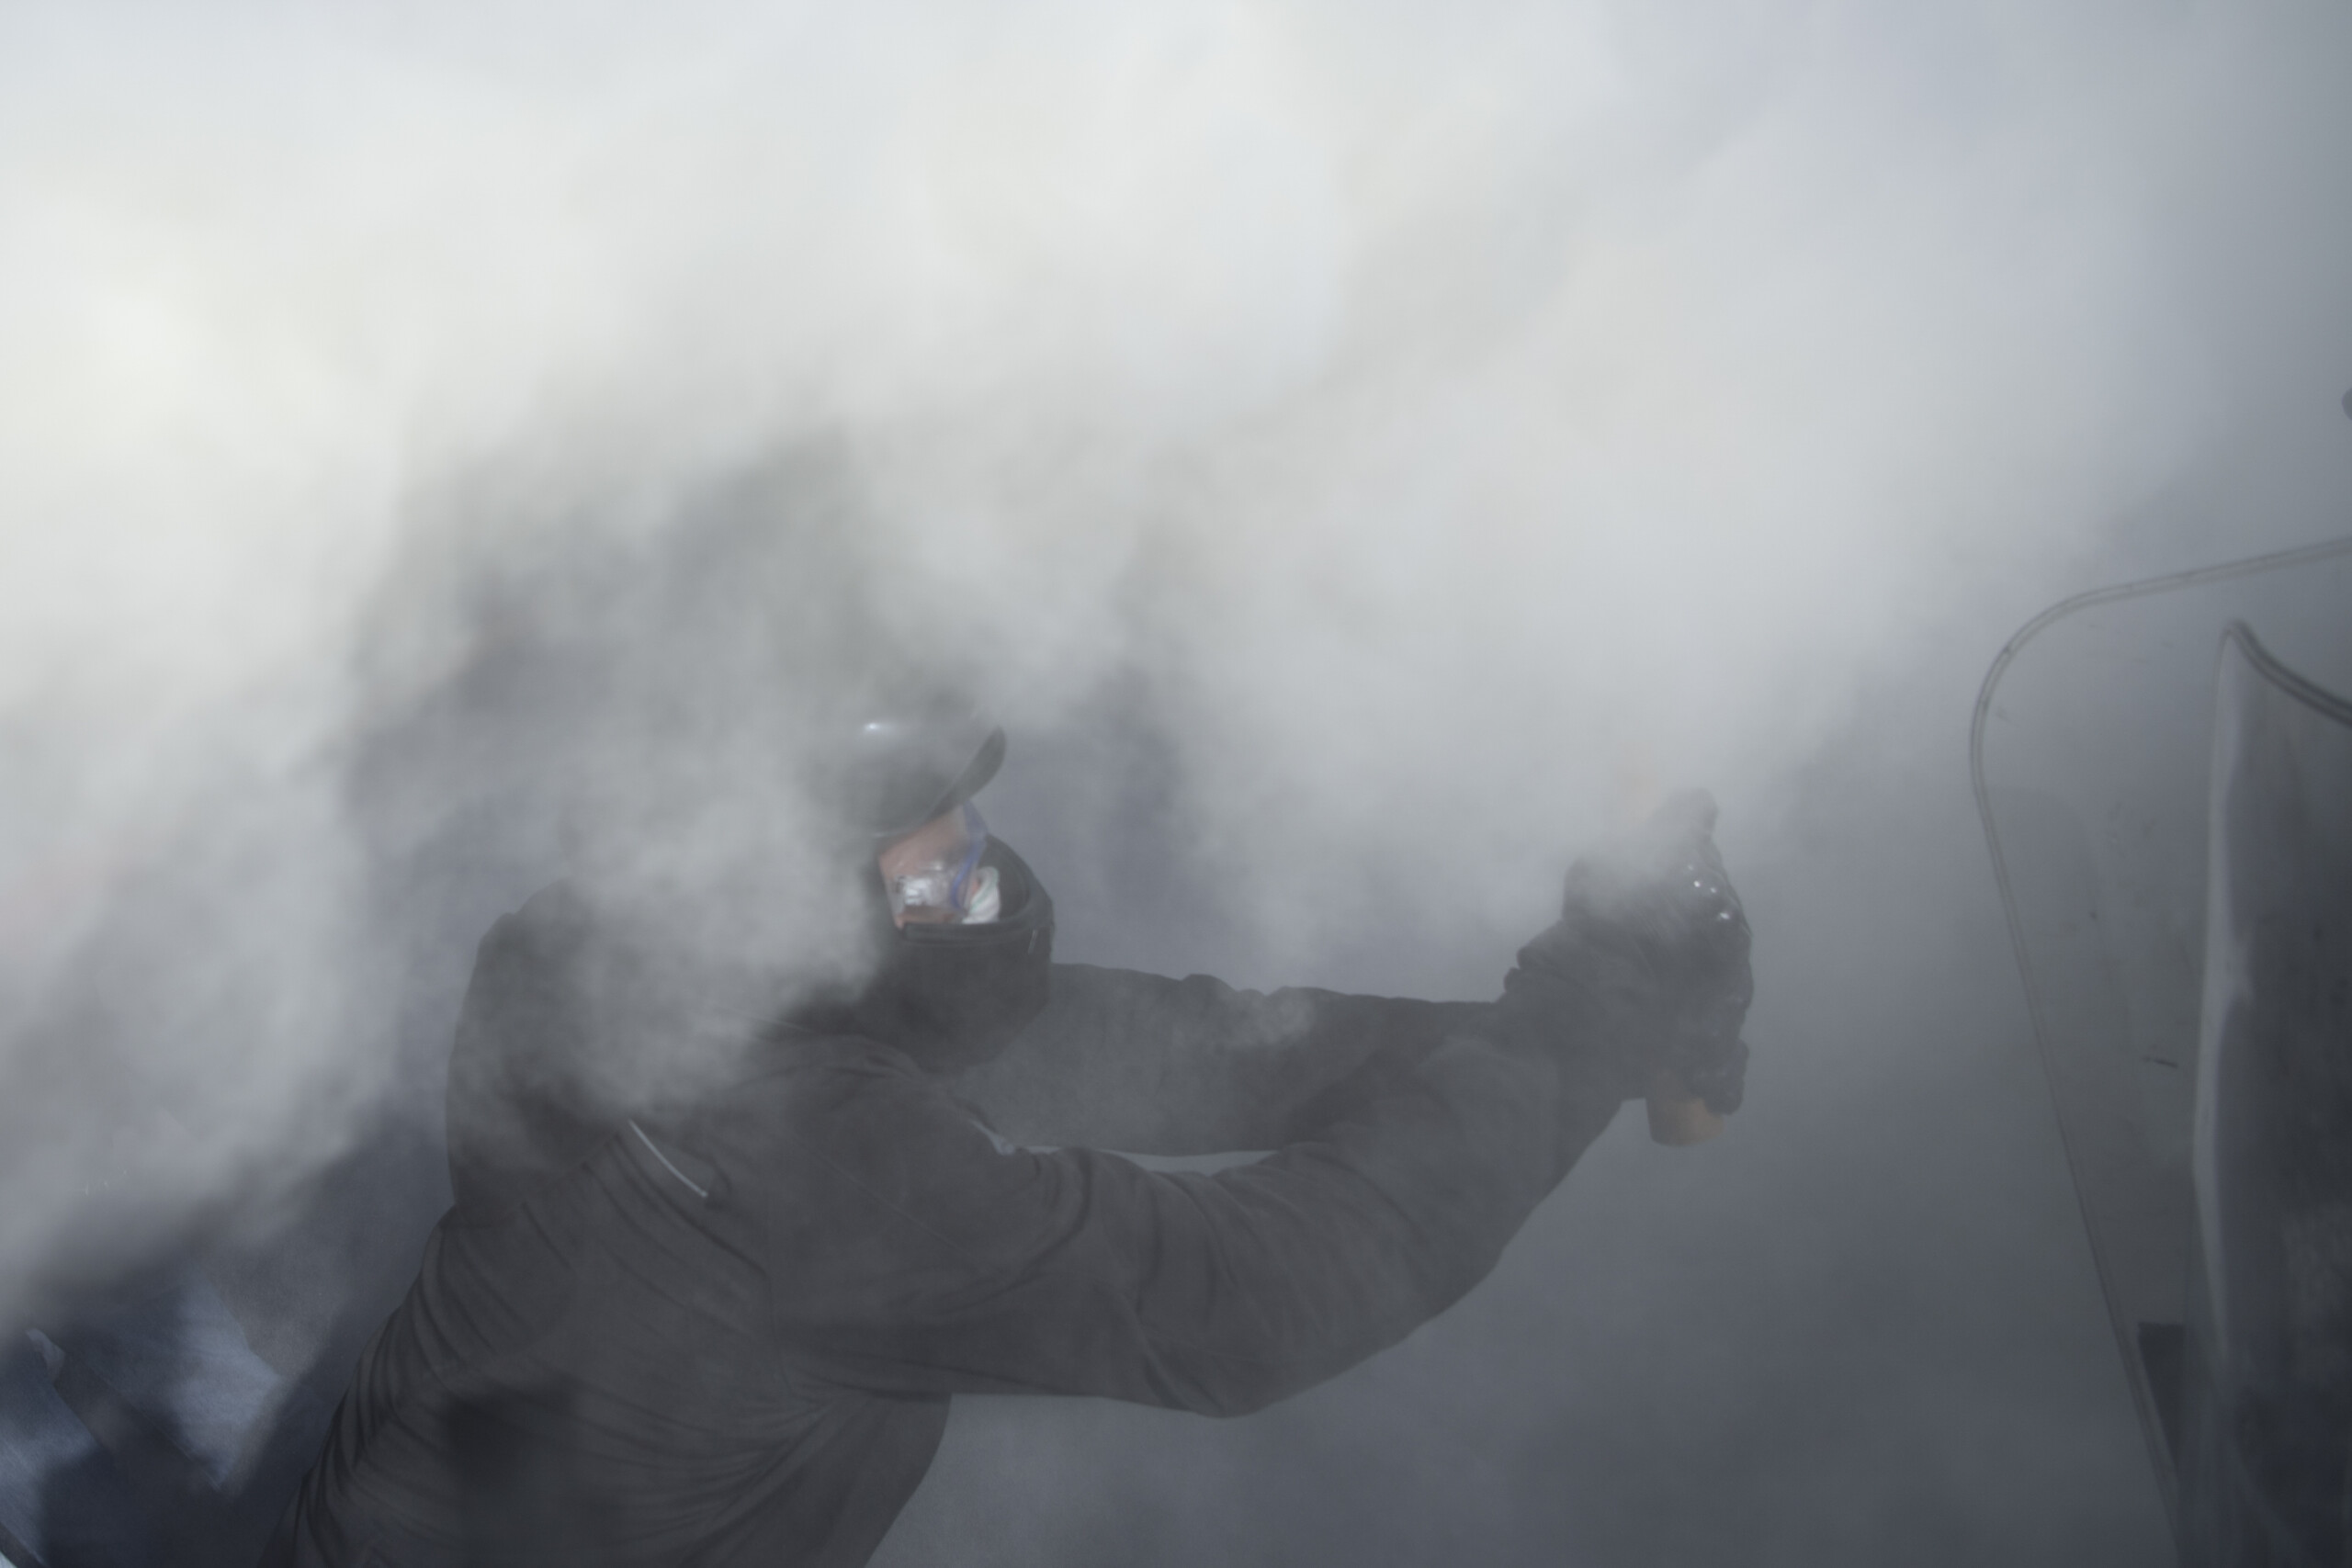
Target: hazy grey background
[(1357, 447)]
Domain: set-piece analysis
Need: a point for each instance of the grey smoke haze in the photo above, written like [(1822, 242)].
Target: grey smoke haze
[(1357, 447)]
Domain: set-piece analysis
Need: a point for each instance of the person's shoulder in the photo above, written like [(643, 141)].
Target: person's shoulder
[(530, 958), (834, 1092), (824, 1117), (788, 1066)]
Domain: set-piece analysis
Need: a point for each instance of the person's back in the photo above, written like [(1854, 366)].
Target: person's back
[(586, 1371)]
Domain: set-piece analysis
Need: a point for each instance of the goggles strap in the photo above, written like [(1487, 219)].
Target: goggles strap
[(976, 833)]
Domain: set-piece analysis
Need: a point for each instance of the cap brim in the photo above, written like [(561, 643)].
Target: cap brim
[(975, 777)]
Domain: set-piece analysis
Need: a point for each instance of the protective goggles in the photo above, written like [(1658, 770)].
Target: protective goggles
[(954, 888)]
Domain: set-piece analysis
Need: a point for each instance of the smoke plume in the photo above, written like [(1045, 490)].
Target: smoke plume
[(440, 444)]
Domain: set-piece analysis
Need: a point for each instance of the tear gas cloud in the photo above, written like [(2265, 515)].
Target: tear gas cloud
[(1432, 416)]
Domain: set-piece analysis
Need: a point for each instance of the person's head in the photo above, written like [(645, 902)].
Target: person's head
[(965, 931), (901, 775)]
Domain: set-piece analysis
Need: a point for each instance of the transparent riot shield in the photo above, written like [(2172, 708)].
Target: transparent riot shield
[(2268, 1399), (2092, 754)]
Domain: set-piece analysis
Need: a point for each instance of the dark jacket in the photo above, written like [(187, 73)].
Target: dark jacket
[(726, 1330)]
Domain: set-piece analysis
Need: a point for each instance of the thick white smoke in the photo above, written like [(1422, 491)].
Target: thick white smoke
[(1447, 412)]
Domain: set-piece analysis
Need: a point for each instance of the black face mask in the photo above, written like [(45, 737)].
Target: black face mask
[(952, 996)]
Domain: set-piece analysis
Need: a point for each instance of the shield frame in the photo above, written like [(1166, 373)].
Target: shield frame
[(2126, 1142)]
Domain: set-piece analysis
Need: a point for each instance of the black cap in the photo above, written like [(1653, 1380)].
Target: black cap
[(903, 762)]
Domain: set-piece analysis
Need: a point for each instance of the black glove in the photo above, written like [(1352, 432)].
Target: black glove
[(1647, 965)]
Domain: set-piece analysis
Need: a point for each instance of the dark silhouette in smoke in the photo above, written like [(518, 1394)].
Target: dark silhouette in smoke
[(606, 1056)]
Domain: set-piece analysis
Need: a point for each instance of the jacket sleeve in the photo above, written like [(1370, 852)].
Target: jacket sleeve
[(1124, 1060), (923, 1257)]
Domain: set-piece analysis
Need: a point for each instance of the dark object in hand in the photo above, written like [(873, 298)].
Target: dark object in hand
[(1648, 963)]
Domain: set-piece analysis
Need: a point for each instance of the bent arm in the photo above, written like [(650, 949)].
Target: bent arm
[(926, 1261), (1125, 1060)]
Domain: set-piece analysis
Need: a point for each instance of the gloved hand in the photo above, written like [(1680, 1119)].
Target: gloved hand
[(1647, 965)]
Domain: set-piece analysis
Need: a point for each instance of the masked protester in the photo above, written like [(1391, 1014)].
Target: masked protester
[(725, 1328)]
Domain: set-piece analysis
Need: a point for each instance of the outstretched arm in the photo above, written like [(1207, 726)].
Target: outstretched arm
[(1148, 1065), (923, 1259)]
